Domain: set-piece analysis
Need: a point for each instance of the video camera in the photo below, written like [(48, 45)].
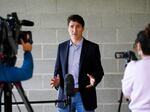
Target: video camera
[(128, 55), (10, 36)]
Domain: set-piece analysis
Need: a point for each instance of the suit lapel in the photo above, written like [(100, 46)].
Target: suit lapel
[(66, 51), (83, 53)]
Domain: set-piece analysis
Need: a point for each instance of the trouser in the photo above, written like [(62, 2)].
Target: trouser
[(76, 105)]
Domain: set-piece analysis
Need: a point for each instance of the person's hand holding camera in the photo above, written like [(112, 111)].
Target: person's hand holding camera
[(26, 46)]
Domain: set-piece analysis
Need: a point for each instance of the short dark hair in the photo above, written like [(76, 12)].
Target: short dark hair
[(76, 18), (143, 37)]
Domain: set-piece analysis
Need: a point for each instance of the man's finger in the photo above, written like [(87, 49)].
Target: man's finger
[(88, 86), (88, 75), (52, 83)]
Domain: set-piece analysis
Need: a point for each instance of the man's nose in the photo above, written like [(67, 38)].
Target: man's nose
[(74, 29)]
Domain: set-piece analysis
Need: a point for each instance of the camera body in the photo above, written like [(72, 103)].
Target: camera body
[(10, 36), (128, 55)]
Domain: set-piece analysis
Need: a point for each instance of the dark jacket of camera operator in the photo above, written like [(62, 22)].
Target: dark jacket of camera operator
[(135, 84), (12, 73)]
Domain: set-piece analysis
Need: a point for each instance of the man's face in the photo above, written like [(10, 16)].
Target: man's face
[(75, 30)]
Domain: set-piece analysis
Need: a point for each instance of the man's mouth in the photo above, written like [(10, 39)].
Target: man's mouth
[(74, 34)]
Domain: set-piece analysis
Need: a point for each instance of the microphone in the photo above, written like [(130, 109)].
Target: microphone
[(69, 84), (26, 23)]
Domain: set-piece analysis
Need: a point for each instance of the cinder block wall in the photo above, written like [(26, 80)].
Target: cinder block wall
[(113, 24)]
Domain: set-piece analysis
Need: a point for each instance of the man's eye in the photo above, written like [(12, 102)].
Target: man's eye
[(72, 26)]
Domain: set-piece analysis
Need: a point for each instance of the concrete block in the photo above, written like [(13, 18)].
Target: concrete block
[(102, 6), (102, 35), (140, 20), (116, 20), (132, 6), (44, 6), (112, 81), (109, 65), (107, 96), (50, 51), (45, 35), (44, 66), (72, 6)]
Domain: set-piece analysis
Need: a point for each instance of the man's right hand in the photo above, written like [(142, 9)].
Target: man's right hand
[(55, 81)]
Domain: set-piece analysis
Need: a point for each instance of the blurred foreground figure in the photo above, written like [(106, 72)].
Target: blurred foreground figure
[(10, 73), (136, 80)]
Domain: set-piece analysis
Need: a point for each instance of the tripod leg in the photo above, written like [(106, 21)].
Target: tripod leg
[(23, 96), (120, 102), (7, 97), (1, 91)]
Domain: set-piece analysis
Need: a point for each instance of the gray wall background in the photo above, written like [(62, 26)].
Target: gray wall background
[(113, 24)]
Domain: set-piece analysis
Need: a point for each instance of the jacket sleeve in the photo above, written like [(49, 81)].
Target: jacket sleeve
[(99, 72), (13, 74), (127, 81), (57, 69)]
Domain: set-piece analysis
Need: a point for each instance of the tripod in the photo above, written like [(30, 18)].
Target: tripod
[(7, 88), (120, 101), (121, 94)]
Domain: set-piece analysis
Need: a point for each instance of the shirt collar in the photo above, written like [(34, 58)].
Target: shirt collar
[(78, 45)]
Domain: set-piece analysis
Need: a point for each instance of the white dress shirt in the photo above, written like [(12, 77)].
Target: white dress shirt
[(74, 61), (136, 85)]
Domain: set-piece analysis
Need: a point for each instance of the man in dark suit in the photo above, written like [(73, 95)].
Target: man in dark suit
[(81, 58)]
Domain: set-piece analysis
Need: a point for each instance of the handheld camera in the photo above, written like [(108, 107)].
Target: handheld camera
[(128, 55), (10, 36)]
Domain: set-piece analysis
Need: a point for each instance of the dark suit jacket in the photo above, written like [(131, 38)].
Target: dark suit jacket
[(90, 63)]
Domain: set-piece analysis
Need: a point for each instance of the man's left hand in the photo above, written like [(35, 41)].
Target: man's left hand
[(92, 81)]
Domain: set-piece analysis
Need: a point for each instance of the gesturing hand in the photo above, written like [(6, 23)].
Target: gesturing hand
[(92, 81), (55, 81)]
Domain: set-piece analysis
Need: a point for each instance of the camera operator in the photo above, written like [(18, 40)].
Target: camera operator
[(11, 73), (136, 80)]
